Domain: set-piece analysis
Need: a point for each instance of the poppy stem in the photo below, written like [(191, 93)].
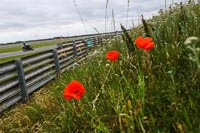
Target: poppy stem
[(101, 89)]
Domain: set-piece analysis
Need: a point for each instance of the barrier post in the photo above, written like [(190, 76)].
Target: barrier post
[(75, 49), (56, 61), (22, 81)]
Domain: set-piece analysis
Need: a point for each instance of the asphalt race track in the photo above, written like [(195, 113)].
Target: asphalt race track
[(11, 54)]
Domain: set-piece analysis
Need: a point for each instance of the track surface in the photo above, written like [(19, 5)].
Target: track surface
[(11, 54)]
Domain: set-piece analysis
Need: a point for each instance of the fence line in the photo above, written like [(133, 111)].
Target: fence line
[(20, 77)]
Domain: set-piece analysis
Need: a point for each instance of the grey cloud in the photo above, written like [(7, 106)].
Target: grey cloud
[(31, 16)]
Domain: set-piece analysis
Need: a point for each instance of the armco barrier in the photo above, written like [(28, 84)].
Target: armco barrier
[(20, 77)]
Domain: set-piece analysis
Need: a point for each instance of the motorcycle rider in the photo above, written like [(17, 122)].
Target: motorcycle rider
[(26, 47)]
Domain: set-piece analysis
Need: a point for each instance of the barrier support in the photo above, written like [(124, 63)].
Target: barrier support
[(22, 81)]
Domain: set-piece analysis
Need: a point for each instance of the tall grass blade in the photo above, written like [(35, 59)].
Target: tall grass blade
[(106, 14), (113, 19), (79, 13), (127, 13), (95, 29)]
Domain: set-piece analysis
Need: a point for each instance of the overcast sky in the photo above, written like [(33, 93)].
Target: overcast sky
[(22, 20)]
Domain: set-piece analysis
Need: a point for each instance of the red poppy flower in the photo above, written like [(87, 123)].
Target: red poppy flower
[(112, 55), (144, 43), (74, 90)]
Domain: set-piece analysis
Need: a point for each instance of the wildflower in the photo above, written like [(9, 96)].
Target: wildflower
[(144, 43), (74, 90), (112, 55)]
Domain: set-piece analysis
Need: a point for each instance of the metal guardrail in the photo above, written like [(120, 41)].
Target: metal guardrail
[(20, 77)]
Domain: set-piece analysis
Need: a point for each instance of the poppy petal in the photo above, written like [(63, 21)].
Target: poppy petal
[(67, 97), (138, 40), (141, 44), (149, 46), (112, 55), (74, 90), (147, 40), (77, 96)]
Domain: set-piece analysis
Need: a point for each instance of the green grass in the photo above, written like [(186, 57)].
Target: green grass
[(154, 91), (10, 49)]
